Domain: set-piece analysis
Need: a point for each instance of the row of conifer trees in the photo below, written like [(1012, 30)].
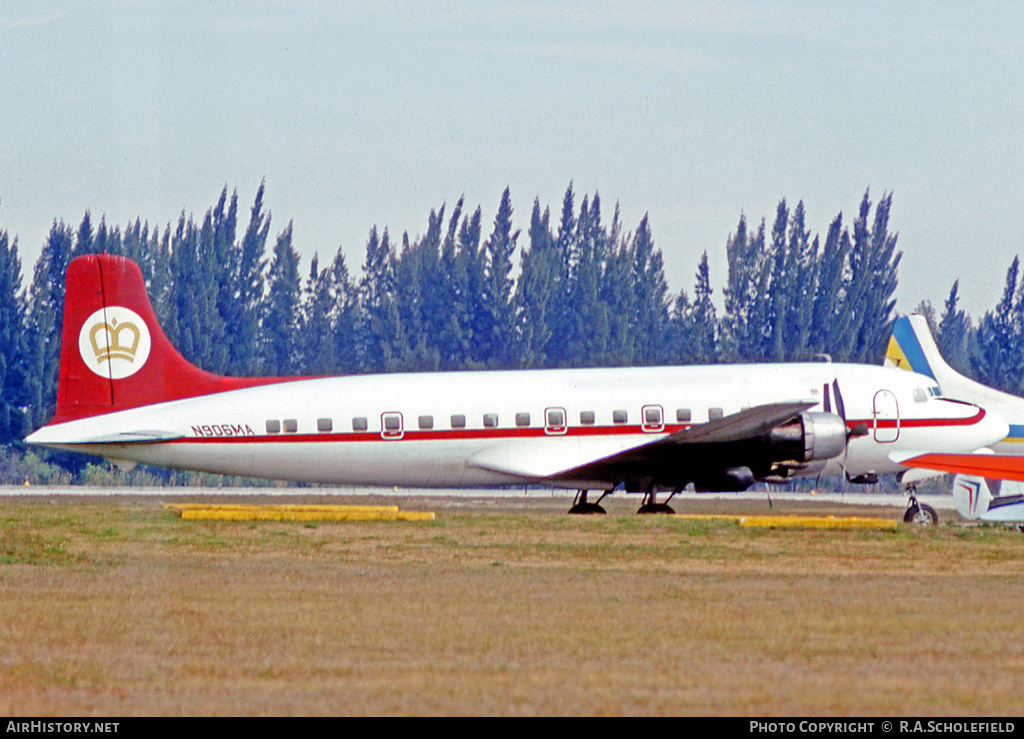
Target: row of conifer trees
[(576, 290)]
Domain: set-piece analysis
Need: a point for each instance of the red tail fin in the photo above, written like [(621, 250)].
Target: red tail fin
[(114, 355)]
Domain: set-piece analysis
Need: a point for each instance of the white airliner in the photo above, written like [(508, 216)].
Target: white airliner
[(912, 347), (127, 395)]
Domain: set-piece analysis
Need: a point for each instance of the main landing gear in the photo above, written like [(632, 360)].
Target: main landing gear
[(650, 504), (581, 505), (920, 514)]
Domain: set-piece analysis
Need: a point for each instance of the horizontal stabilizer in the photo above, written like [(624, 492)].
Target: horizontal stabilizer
[(52, 435)]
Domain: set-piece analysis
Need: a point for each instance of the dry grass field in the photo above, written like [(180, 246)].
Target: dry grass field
[(116, 606)]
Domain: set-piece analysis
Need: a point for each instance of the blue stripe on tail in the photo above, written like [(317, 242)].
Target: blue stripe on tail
[(904, 334)]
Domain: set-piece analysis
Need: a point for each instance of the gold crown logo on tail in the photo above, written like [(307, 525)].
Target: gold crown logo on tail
[(112, 348), (114, 342)]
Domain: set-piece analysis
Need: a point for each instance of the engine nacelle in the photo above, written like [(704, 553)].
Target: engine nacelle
[(809, 437)]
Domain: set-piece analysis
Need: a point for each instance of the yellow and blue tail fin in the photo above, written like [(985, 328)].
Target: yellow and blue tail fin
[(905, 350)]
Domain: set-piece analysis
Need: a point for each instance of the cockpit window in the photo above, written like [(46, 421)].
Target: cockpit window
[(920, 396)]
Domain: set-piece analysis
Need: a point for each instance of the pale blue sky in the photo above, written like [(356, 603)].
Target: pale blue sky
[(364, 113)]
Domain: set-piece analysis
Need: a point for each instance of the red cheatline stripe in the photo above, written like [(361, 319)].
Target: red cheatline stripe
[(521, 433)]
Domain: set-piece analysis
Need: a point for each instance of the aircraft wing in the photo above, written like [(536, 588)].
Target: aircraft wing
[(583, 457), (746, 424), (992, 466)]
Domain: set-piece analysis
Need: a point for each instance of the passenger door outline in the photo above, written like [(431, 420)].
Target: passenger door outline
[(886, 417)]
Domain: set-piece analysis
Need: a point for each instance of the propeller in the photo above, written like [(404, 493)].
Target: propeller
[(861, 429)]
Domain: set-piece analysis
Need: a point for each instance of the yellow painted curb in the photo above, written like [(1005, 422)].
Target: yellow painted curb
[(817, 522), (795, 522), (238, 512)]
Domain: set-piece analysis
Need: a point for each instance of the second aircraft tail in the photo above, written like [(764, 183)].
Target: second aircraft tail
[(912, 347)]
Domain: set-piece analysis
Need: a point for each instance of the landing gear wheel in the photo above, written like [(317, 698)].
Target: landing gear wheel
[(650, 503), (921, 514), (581, 506), (656, 508)]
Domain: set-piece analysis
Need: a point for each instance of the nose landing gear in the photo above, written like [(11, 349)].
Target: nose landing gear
[(920, 514)]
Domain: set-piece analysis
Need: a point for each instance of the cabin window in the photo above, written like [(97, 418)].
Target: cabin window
[(554, 421), (653, 418), (587, 418), (522, 419), (458, 421), (426, 422), (391, 425), (490, 420), (291, 425), (359, 424), (715, 413), (620, 416), (273, 427), (683, 415), (324, 424)]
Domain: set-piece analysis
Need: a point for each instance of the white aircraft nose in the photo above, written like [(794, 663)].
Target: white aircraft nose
[(992, 428)]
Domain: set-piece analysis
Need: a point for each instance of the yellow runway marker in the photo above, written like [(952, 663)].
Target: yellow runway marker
[(801, 522), (239, 512), (817, 522)]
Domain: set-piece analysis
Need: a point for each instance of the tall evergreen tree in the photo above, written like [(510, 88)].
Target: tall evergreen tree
[(535, 290), (872, 283), (412, 345), (624, 295), (472, 264), (14, 377), (649, 288), (220, 256), (738, 294), (316, 341), (1000, 360), (801, 277), (84, 238), (499, 247), (704, 322), (450, 300), (280, 329), (241, 314), (196, 327), (954, 333), (46, 318), (345, 323), (778, 306), (831, 315), (379, 329)]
